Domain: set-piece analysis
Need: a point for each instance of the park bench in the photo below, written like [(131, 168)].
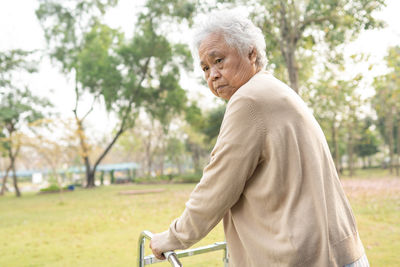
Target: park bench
[(173, 257)]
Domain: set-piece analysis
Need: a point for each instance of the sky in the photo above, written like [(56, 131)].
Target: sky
[(19, 28)]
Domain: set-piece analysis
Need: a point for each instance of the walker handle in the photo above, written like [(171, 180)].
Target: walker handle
[(169, 255)]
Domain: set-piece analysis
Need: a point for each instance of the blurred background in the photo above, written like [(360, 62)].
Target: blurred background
[(105, 94)]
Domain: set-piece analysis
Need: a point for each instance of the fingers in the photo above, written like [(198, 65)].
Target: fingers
[(158, 254)]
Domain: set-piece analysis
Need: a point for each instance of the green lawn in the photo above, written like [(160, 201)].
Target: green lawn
[(90, 227), (369, 173), (100, 227)]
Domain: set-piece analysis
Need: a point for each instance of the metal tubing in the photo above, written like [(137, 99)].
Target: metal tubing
[(173, 256), (226, 259), (169, 255)]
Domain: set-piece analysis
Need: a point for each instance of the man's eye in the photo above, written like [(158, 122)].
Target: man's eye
[(205, 69), (218, 60)]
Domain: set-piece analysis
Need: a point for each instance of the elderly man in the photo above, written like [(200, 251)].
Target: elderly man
[(271, 176)]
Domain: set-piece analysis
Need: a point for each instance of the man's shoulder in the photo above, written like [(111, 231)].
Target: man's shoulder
[(262, 86), (269, 98), (261, 89)]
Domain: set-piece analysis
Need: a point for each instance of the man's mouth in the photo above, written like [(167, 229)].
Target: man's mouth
[(220, 87)]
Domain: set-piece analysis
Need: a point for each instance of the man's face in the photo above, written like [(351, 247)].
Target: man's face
[(225, 69)]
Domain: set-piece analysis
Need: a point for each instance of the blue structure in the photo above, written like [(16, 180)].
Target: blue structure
[(105, 168)]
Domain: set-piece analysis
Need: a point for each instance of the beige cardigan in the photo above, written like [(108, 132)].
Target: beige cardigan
[(272, 179)]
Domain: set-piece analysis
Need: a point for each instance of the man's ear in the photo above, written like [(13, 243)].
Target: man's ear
[(253, 55)]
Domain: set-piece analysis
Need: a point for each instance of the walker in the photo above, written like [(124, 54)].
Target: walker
[(173, 257)]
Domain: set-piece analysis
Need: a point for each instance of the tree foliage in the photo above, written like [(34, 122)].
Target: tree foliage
[(18, 106), (128, 75), (294, 30), (387, 106), (368, 141), (18, 109), (337, 104)]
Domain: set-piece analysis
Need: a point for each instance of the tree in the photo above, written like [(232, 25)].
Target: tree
[(393, 62), (128, 75), (213, 123), (54, 150), (18, 109), (326, 98), (11, 61), (3, 154), (71, 31), (167, 100), (195, 139), (175, 151), (295, 29), (352, 123), (368, 142), (386, 104), (336, 103)]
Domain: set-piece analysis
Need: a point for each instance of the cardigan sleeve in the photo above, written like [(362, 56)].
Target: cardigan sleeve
[(233, 160)]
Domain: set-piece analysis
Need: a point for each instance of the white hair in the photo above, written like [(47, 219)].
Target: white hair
[(238, 31)]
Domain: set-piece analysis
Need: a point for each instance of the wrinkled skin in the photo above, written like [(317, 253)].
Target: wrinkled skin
[(225, 69), (154, 248)]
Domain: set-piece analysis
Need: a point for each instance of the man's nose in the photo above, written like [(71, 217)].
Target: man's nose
[(215, 74)]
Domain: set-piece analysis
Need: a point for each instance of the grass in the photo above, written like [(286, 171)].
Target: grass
[(378, 221), (100, 227), (368, 173), (376, 204), (90, 227)]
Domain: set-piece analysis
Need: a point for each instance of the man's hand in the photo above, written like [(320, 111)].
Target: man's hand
[(153, 245)]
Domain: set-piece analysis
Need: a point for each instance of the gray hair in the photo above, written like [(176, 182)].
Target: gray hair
[(238, 31)]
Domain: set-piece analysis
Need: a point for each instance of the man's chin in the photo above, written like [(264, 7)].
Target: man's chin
[(214, 92), (224, 96)]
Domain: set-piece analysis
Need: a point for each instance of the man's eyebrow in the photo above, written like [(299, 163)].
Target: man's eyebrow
[(213, 53)]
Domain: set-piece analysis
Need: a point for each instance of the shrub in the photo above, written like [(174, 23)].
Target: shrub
[(188, 178), (53, 188)]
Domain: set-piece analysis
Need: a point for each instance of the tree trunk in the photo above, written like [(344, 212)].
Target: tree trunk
[(398, 148), (102, 178), (12, 156), (389, 131), (162, 157), (179, 165), (336, 153), (196, 159), (4, 186), (85, 153), (350, 152), (59, 182), (14, 175), (149, 166), (289, 37), (112, 177), (148, 154), (92, 176), (350, 145), (89, 173), (288, 52), (149, 161), (293, 70)]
